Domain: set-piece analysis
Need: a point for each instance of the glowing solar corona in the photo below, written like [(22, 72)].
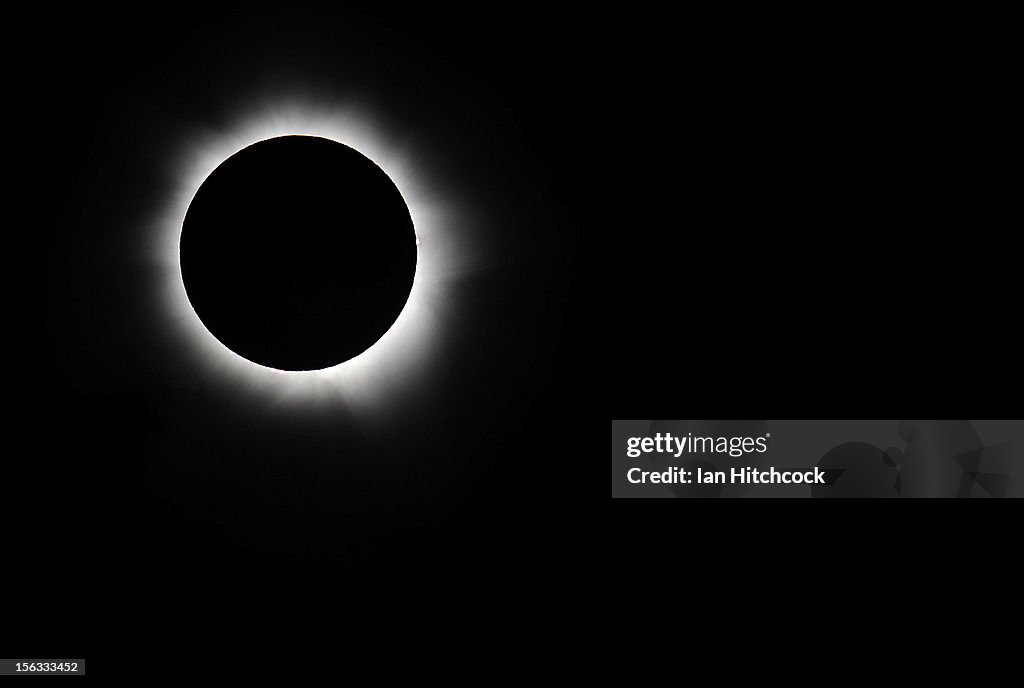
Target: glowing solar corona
[(401, 355)]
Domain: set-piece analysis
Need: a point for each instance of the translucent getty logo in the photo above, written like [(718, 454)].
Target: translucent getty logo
[(677, 445)]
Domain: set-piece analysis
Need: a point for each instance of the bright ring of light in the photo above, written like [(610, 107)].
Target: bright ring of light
[(405, 349)]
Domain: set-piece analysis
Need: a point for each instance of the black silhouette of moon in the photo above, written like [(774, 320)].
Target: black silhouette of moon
[(298, 253)]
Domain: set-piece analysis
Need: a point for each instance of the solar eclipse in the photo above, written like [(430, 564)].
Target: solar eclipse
[(339, 331)]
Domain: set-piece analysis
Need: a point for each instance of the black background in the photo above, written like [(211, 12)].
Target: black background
[(815, 200)]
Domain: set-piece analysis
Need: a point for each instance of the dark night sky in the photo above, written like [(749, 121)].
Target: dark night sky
[(794, 228)]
